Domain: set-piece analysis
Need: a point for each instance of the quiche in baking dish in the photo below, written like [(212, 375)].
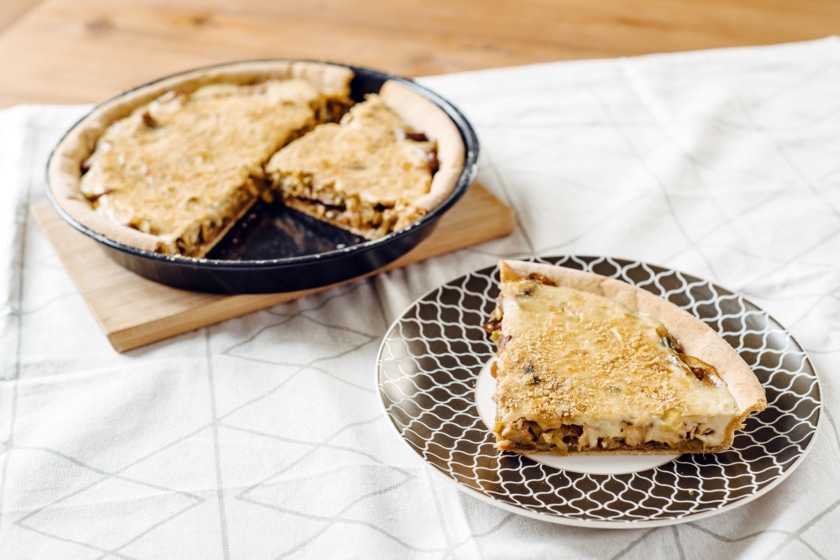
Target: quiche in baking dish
[(171, 168), (591, 365)]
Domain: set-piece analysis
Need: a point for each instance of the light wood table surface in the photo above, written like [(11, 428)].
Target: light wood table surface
[(82, 51)]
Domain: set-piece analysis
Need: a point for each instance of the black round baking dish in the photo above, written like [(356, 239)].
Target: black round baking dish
[(275, 249)]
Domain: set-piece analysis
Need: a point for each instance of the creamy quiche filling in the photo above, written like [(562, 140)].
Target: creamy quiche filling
[(578, 372), (363, 174)]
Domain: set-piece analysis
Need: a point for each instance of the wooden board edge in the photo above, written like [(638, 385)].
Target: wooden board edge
[(478, 217)]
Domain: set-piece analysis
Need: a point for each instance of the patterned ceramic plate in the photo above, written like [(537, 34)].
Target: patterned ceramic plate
[(435, 390)]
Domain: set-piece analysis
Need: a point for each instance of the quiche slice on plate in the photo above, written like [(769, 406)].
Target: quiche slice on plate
[(588, 365)]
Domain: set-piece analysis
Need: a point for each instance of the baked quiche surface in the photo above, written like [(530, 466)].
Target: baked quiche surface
[(170, 167), (591, 365)]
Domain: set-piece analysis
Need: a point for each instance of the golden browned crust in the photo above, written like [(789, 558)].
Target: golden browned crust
[(696, 338)]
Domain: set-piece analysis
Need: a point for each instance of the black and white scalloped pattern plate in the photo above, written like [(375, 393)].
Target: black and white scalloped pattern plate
[(433, 384)]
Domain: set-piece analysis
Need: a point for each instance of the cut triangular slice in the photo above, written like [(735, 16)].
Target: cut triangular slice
[(588, 365), (375, 172)]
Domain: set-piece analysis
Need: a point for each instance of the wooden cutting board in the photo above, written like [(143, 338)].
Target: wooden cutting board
[(133, 311)]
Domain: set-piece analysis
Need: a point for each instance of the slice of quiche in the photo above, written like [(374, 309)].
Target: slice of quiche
[(591, 365), (372, 173)]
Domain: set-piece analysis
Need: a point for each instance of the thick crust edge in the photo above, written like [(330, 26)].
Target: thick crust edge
[(422, 114)]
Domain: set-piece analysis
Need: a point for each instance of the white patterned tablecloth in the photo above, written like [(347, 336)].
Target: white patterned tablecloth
[(264, 437)]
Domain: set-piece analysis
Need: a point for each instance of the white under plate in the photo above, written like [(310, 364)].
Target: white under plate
[(430, 380)]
